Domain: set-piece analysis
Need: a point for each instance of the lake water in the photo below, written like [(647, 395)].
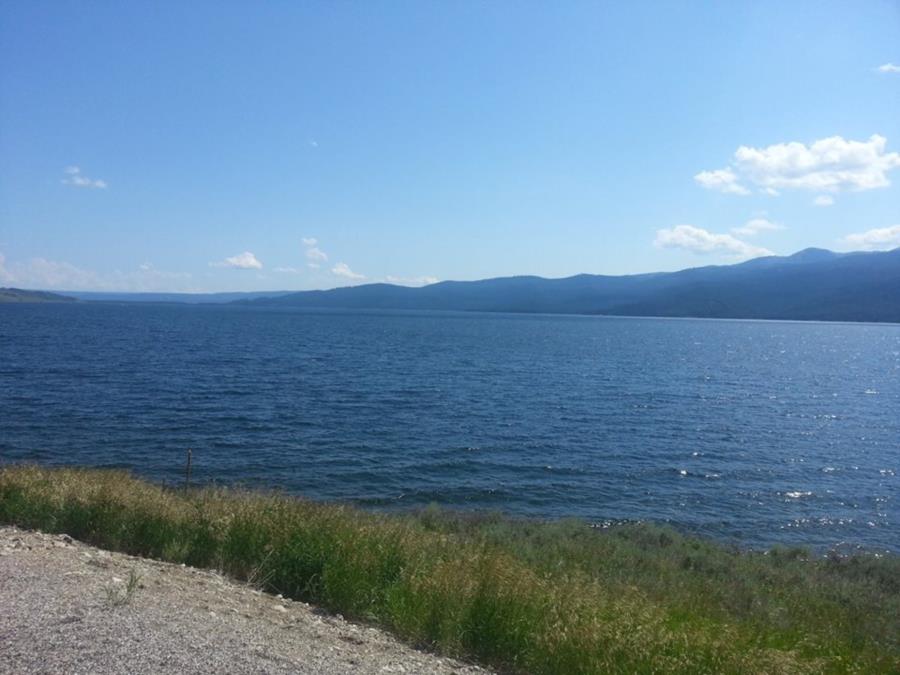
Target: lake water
[(752, 432)]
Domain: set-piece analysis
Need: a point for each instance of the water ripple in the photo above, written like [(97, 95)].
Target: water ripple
[(754, 432)]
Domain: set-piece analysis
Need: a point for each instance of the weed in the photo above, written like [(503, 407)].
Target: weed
[(523, 596), (120, 593)]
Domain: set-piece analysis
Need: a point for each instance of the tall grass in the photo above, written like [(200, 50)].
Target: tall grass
[(521, 596)]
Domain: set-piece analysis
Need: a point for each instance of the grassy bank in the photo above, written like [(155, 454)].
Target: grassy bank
[(520, 596)]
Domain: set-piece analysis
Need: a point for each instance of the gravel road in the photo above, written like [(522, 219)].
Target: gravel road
[(66, 608)]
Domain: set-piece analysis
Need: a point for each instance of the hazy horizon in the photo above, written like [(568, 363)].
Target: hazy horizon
[(338, 285)]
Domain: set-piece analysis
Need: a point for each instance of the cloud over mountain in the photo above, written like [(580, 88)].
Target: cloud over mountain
[(878, 239), (830, 165), (698, 240)]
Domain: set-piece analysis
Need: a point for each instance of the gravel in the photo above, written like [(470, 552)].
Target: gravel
[(66, 607)]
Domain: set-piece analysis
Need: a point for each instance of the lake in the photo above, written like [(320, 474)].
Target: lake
[(751, 432)]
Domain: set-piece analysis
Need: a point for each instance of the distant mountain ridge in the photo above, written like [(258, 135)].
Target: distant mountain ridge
[(10, 295), (181, 298), (813, 284)]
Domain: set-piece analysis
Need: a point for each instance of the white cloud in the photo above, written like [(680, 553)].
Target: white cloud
[(343, 270), (829, 165), (75, 178), (288, 270), (698, 240), (243, 261), (823, 200), (755, 226), (313, 143), (723, 180), (316, 255), (879, 239), (411, 281), (888, 68)]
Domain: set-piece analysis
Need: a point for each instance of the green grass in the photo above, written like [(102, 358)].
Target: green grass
[(521, 596)]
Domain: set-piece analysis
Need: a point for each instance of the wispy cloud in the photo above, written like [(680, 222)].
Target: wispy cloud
[(51, 274), (878, 239), (243, 261), (698, 240), (42, 273), (756, 225), (830, 165), (314, 255), (288, 270), (722, 180), (888, 68), (148, 278), (343, 270), (75, 178), (411, 281), (823, 200)]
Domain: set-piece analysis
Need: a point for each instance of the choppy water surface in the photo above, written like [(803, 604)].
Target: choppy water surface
[(755, 432)]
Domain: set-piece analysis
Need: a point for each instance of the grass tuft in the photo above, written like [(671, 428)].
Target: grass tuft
[(522, 596), (118, 593)]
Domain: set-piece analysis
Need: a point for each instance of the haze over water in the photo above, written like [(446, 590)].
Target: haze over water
[(752, 432)]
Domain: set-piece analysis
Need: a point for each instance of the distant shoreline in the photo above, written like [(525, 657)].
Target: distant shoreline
[(21, 296), (451, 312)]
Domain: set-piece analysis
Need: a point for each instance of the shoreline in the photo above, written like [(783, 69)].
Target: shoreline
[(523, 596), (842, 548)]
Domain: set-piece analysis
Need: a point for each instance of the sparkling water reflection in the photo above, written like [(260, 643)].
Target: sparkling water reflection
[(756, 432)]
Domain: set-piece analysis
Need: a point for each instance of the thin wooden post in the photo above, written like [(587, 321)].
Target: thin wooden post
[(187, 472)]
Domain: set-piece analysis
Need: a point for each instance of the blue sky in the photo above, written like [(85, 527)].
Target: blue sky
[(244, 146)]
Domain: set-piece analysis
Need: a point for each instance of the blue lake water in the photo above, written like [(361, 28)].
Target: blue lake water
[(751, 432)]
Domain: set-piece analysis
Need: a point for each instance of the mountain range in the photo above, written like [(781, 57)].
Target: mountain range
[(813, 284), (181, 298)]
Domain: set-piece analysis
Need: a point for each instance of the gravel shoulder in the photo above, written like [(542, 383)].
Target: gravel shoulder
[(65, 607)]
